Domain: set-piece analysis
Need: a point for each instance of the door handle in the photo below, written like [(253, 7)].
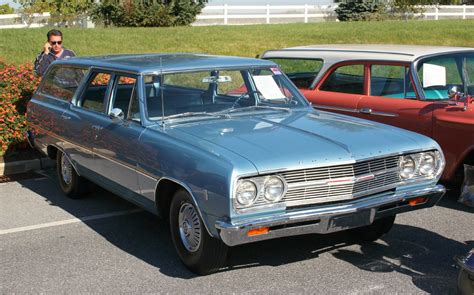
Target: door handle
[(367, 111), (97, 127), (64, 117)]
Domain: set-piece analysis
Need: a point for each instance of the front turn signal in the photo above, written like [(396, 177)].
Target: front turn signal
[(258, 231), (417, 201)]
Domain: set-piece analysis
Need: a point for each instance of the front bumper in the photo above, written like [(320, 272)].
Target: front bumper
[(328, 218)]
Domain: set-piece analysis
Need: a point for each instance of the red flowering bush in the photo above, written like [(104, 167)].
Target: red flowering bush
[(17, 84)]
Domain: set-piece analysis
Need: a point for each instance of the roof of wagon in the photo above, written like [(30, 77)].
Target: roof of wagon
[(339, 52), (145, 63)]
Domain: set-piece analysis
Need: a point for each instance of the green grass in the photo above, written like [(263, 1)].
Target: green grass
[(22, 45)]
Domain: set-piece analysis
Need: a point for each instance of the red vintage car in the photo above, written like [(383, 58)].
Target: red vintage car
[(426, 89)]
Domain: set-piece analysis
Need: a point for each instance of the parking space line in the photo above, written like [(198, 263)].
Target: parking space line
[(68, 221)]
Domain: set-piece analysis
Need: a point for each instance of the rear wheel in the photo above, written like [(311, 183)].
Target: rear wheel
[(70, 182), (374, 231), (200, 252)]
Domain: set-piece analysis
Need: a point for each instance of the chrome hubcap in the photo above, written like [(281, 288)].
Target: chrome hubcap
[(66, 169), (189, 227)]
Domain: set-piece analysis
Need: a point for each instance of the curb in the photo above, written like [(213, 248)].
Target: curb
[(17, 167)]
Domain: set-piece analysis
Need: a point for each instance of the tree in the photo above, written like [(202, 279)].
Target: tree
[(146, 13), (357, 10), (63, 12), (6, 9)]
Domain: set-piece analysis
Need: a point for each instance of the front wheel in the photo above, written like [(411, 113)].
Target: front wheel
[(70, 182), (200, 252), (374, 231)]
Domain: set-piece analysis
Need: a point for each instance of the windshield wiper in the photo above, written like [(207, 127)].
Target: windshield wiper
[(258, 107), (192, 114)]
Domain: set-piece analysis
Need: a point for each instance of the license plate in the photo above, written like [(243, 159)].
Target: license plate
[(360, 218)]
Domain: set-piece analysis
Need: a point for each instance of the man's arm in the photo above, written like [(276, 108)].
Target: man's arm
[(41, 63)]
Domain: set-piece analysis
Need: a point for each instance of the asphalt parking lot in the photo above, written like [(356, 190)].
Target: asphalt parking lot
[(49, 243)]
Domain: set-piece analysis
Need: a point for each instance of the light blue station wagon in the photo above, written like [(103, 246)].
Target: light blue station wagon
[(226, 149)]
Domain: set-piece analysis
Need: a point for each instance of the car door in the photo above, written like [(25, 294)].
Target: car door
[(51, 101), (393, 100), (82, 119), (116, 145), (452, 123), (340, 89)]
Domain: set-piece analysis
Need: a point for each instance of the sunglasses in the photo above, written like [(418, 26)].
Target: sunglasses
[(55, 42)]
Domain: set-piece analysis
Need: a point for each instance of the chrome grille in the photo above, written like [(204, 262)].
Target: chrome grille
[(343, 182)]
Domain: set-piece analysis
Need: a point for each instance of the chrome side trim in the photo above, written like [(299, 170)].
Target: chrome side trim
[(332, 108), (357, 111), (95, 152), (384, 114), (188, 189)]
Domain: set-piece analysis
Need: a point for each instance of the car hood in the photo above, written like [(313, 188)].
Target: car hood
[(300, 139)]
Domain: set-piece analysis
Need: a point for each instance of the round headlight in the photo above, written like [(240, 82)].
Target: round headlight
[(246, 193), (274, 189), (427, 164), (407, 167)]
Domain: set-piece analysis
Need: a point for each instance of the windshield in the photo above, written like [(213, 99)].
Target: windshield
[(440, 73), (219, 92)]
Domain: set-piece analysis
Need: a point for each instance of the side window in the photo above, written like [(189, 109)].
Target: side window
[(470, 74), (62, 82), (391, 81), (302, 72), (345, 79), (448, 68), (94, 95), (234, 83), (125, 97)]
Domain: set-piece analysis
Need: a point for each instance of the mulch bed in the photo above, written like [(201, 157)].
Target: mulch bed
[(22, 155), (18, 177)]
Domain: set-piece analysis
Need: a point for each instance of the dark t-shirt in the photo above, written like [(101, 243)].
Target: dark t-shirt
[(43, 61)]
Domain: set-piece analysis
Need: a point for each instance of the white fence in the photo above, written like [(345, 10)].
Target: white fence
[(449, 12), (17, 21), (253, 14), (36, 20), (237, 14)]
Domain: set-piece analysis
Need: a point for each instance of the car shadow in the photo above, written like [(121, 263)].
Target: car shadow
[(425, 256), (450, 201)]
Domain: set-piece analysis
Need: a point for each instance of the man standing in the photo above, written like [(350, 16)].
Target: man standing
[(52, 50)]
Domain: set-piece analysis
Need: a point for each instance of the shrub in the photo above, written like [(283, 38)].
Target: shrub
[(146, 13), (185, 11), (17, 84), (358, 10), (6, 9)]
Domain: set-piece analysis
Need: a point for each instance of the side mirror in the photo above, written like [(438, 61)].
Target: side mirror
[(116, 114), (453, 91)]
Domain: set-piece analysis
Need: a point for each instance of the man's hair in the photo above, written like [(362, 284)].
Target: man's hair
[(54, 33)]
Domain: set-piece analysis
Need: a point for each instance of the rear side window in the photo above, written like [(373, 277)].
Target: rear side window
[(301, 72), (94, 95), (391, 81), (62, 82), (345, 79)]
